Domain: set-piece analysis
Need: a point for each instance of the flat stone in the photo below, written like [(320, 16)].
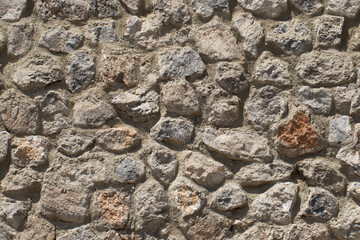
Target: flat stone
[(133, 6), (343, 97), (19, 113), (19, 182), (276, 204), (37, 227), (11, 10), (265, 107), (298, 136), (14, 212), (20, 39), (232, 77), (73, 145), (129, 171), (204, 170), (29, 151), (251, 31), (174, 13), (106, 8), (320, 204), (173, 131), (91, 112), (354, 190), (180, 62), (346, 225), (119, 66), (258, 174), (292, 37), (265, 8), (103, 32), (209, 227), (325, 68), (68, 203), (4, 145), (328, 31), (238, 144), (84, 232), (185, 197), (339, 130), (322, 173), (61, 39), (110, 209), (150, 201), (215, 42), (319, 99), (228, 197), (163, 164), (208, 8), (309, 7), (72, 11), (346, 8), (119, 139), (80, 70), (269, 70), (180, 97), (37, 71)]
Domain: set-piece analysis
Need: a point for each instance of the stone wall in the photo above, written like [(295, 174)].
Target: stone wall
[(179, 119)]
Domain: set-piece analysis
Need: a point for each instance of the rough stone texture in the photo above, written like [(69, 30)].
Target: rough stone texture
[(258, 174), (72, 145), (343, 97), (237, 144), (339, 130), (346, 8), (133, 6), (269, 70), (319, 100), (328, 31), (276, 204), (4, 145), (38, 228), (232, 78), (346, 225), (205, 9), (118, 139), (30, 151), (20, 39), (164, 164), (228, 197), (37, 71), (354, 190), (265, 8), (103, 32), (3, 41), (325, 68), (298, 136), (129, 171), (309, 7), (173, 13), (13, 212), (106, 8), (290, 37), (11, 10)]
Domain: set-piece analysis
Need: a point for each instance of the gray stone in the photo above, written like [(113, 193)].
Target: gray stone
[(206, 9), (3, 41), (83, 232), (325, 68), (204, 170), (228, 197), (265, 107), (29, 151), (232, 77), (319, 99), (323, 173), (106, 8), (133, 6), (309, 7), (37, 71), (4, 145), (164, 165), (320, 204), (238, 144), (349, 156), (328, 31), (151, 201), (355, 103), (346, 225), (38, 228), (276, 204), (139, 104), (20, 39), (265, 8), (61, 39), (292, 37), (72, 145), (11, 10), (19, 113), (19, 182), (80, 70), (342, 98), (258, 174), (346, 8), (180, 97), (129, 171), (103, 32), (180, 62), (89, 111), (354, 190), (119, 139), (310, 231), (215, 42), (13, 212), (354, 42), (251, 31), (339, 130), (172, 12), (173, 131), (269, 70), (70, 10)]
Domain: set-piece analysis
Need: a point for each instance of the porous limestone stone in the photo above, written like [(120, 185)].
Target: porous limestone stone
[(346, 8), (228, 197), (118, 139), (106, 8), (232, 77), (37, 227), (319, 99), (309, 7), (103, 32), (329, 31), (20, 39), (4, 145), (346, 225), (73, 144), (339, 130), (265, 8), (12, 10), (205, 9), (129, 170)]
